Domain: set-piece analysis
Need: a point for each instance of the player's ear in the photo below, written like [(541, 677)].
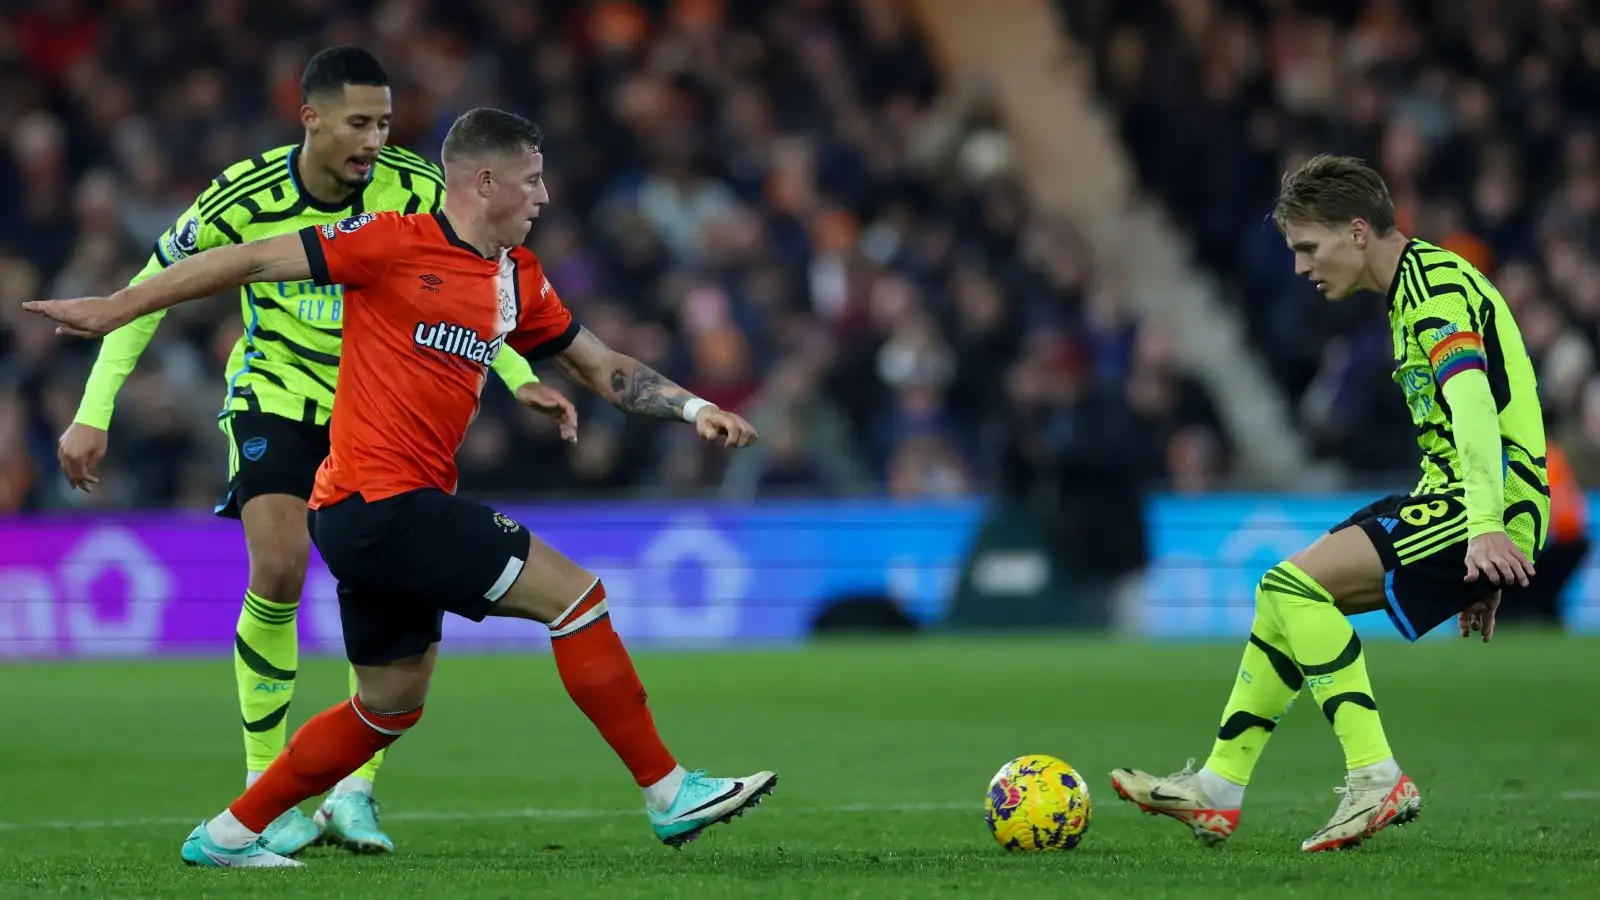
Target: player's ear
[(308, 117), (485, 182), (1360, 232)]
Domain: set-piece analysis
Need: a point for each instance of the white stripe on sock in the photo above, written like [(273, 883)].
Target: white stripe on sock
[(600, 609), (576, 603), (363, 717)]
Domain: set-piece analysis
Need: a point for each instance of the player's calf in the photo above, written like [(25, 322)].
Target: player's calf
[(266, 656), (599, 676), (328, 747), (348, 817)]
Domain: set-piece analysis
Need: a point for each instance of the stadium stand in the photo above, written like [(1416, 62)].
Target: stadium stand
[(784, 206), (1481, 117)]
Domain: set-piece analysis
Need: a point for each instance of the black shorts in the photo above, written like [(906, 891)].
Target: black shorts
[(405, 561), (1422, 540), (270, 454)]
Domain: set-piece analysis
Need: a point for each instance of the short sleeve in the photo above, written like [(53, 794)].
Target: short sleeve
[(1448, 324), (545, 326), (353, 251)]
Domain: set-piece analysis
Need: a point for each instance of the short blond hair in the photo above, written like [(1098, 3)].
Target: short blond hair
[(1334, 190)]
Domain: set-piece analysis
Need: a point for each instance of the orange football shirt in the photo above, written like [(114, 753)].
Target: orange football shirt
[(424, 316)]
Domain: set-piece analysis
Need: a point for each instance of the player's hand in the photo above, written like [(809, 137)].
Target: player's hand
[(1479, 617), (551, 402), (80, 449), (85, 317), (717, 424), (1495, 556)]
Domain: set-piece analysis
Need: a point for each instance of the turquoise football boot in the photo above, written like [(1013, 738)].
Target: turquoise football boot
[(703, 801), (350, 820), (201, 850), (290, 833)]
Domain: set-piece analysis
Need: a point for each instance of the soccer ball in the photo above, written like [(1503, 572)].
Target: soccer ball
[(1037, 803)]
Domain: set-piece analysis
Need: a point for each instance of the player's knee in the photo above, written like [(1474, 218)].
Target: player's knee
[(279, 575), (280, 546), (548, 586), (400, 685), (386, 721)]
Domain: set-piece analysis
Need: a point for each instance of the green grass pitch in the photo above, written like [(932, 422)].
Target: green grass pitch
[(885, 751)]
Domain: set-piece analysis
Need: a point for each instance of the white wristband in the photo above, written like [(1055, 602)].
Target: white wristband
[(693, 407)]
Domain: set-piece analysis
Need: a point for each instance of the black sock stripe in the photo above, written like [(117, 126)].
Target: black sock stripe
[(1279, 579), (1332, 704), (266, 620), (1287, 671), (257, 663), (269, 605), (268, 721), (1242, 721), (1283, 584), (1351, 653), (268, 616)]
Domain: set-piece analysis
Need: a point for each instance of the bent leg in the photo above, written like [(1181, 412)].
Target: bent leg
[(599, 676), (593, 663), (1266, 686), (329, 746), (1313, 592)]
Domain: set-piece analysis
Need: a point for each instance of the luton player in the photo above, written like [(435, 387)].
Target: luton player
[(431, 301), (280, 390), (1472, 524)]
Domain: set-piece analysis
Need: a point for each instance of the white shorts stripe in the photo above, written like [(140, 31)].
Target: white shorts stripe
[(508, 577)]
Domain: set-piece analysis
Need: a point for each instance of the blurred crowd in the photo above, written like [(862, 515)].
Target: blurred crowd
[(781, 205), (1481, 114)]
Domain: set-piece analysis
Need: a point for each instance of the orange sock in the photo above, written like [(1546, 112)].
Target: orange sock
[(329, 746), (600, 678)]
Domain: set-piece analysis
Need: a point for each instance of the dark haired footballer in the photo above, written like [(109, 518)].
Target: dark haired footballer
[(281, 379), (433, 300)]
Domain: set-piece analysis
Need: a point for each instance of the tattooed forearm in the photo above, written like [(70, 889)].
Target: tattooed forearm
[(636, 388), (628, 384)]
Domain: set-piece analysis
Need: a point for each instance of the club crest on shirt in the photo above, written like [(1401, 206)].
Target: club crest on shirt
[(506, 523), (505, 285), (508, 310), (350, 224)]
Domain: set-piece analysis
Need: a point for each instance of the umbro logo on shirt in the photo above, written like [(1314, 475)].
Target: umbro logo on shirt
[(430, 283)]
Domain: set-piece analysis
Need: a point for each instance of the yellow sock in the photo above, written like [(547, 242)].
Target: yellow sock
[(266, 655), (1328, 651), (1267, 684), (369, 770)]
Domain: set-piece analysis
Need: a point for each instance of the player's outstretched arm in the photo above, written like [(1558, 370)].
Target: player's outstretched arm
[(84, 443), (635, 388), (281, 258)]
